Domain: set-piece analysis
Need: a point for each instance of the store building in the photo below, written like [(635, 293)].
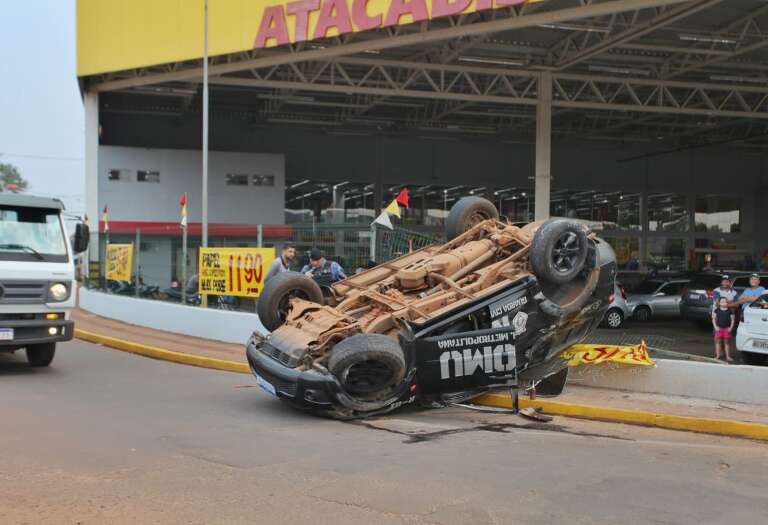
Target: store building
[(647, 116)]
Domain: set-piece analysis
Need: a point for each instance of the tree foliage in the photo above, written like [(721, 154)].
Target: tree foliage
[(11, 180)]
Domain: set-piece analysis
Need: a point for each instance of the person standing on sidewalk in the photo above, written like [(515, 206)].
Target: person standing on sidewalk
[(727, 292), (751, 294), (723, 320), (282, 263)]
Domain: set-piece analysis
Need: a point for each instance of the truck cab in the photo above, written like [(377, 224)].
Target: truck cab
[(37, 275)]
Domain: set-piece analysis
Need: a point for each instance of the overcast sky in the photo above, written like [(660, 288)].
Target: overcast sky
[(41, 112)]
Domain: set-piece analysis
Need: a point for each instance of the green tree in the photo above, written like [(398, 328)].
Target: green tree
[(11, 180)]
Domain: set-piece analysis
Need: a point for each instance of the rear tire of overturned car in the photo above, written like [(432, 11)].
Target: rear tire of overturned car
[(466, 213), (369, 366), (558, 251), (277, 293)]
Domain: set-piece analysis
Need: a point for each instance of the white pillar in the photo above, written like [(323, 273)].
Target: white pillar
[(543, 145), (91, 107)]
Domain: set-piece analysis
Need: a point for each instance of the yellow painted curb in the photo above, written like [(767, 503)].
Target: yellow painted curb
[(724, 427), (160, 353)]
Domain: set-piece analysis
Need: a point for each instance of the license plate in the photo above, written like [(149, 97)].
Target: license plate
[(760, 343), (266, 386), (694, 296), (6, 334)]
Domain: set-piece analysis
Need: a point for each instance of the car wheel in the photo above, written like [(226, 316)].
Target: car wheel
[(277, 293), (558, 251), (751, 358), (642, 314), (41, 355), (466, 213), (369, 367), (614, 318)]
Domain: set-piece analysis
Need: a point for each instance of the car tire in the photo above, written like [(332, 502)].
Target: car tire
[(466, 213), (752, 358), (559, 251), (368, 366), (642, 314), (41, 355), (614, 318), (272, 306)]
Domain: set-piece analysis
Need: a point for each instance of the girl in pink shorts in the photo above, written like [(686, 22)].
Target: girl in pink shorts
[(723, 320)]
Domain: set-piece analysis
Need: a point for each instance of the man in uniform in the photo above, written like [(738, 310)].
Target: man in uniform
[(323, 271)]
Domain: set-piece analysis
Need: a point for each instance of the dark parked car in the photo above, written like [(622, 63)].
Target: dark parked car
[(492, 307)]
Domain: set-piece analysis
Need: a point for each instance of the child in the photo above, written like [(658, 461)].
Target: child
[(723, 320)]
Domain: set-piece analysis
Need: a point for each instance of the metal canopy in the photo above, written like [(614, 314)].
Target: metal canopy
[(673, 70)]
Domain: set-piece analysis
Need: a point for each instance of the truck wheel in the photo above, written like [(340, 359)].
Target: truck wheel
[(41, 355), (277, 293), (369, 366), (466, 213), (558, 251)]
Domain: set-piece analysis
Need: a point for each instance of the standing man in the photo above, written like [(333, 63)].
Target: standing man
[(323, 271), (751, 294), (282, 263)]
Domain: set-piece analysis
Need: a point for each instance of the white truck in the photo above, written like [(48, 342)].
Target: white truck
[(37, 275)]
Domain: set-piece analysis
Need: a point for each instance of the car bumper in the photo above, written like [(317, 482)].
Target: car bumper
[(305, 389), (696, 313), (746, 342), (33, 332)]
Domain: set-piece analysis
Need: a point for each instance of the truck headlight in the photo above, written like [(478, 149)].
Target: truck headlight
[(58, 292)]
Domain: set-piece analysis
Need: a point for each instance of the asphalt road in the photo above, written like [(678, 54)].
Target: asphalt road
[(108, 437)]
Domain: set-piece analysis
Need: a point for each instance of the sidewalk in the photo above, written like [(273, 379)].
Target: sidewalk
[(165, 340), (574, 396)]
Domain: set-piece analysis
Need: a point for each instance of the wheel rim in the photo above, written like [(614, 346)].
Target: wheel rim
[(475, 219), (285, 302), (614, 319), (566, 252), (368, 377)]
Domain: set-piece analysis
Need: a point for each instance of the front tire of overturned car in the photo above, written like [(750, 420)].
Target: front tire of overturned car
[(370, 367), (41, 355), (273, 301), (614, 318), (559, 251)]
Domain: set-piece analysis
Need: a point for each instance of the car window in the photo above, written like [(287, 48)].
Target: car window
[(761, 303), (705, 282), (671, 289), (646, 287)]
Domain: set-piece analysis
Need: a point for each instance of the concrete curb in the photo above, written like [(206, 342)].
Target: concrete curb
[(162, 354), (723, 427)]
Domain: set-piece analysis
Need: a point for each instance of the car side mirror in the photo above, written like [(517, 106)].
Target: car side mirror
[(659, 294), (82, 237)]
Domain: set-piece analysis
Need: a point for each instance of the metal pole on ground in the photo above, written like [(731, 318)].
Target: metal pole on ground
[(184, 265), (204, 298), (543, 146), (104, 266), (138, 261)]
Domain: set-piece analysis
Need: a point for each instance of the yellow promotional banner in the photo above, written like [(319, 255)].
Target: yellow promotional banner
[(114, 35), (596, 354), (119, 262), (234, 271)]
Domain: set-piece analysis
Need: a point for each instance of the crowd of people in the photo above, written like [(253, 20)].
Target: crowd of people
[(728, 311)]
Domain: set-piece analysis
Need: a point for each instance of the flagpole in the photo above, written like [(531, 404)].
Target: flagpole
[(184, 265), (205, 144)]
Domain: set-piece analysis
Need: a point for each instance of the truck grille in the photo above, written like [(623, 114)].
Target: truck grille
[(23, 292)]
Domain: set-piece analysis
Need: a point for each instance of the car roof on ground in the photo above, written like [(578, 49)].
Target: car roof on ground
[(30, 201)]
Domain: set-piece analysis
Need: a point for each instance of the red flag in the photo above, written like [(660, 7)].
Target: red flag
[(105, 218), (402, 197), (183, 202)]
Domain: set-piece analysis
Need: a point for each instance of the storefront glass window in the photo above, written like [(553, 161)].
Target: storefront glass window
[(667, 212), (718, 213), (627, 252), (614, 210), (723, 254), (667, 253)]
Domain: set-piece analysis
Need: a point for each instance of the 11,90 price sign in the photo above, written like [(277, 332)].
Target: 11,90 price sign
[(234, 271)]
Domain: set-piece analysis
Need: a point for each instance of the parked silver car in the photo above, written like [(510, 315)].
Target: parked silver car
[(656, 298), (618, 310)]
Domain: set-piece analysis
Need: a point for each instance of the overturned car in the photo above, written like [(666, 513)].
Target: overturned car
[(492, 307)]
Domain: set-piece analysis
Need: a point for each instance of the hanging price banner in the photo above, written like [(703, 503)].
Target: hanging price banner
[(119, 262), (234, 271)]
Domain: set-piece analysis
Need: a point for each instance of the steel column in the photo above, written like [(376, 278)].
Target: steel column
[(543, 146), (91, 107)]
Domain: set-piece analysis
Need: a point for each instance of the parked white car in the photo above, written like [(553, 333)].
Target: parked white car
[(752, 335), (656, 298), (619, 310)]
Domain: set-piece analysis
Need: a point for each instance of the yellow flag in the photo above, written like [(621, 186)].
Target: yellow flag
[(393, 208)]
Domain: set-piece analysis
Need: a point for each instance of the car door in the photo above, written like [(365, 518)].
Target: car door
[(666, 301), (756, 318)]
